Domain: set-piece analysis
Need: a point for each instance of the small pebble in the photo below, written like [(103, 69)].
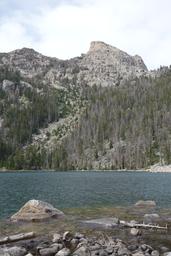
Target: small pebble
[(135, 231)]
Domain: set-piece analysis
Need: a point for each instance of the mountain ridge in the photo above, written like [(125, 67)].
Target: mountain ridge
[(101, 58), (100, 110)]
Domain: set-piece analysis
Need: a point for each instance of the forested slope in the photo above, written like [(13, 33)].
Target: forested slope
[(24, 109), (103, 110), (126, 127)]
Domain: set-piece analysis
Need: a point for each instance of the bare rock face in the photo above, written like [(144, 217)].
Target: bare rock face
[(35, 210), (106, 65)]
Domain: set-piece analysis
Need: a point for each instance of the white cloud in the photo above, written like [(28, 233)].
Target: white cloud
[(65, 30), (13, 35)]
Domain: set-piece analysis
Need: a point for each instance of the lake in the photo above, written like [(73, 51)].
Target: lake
[(82, 189)]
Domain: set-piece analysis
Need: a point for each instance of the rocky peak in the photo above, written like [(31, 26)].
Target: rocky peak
[(106, 65), (114, 55), (98, 46)]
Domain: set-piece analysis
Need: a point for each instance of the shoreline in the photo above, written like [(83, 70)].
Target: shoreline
[(87, 232), (153, 169), (130, 231)]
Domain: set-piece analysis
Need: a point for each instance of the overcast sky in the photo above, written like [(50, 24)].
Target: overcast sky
[(65, 28)]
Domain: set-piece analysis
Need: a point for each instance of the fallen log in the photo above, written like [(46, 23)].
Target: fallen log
[(141, 225), (18, 237)]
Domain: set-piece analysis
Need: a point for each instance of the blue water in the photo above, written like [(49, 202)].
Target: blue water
[(82, 189)]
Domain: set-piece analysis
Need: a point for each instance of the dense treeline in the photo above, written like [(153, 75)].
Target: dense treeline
[(126, 127), (24, 108), (121, 127)]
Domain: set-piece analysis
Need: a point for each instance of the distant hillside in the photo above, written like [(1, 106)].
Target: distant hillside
[(102, 110)]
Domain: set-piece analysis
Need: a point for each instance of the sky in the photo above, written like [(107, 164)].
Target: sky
[(65, 28)]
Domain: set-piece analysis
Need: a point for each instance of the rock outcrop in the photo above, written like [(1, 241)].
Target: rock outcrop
[(35, 210)]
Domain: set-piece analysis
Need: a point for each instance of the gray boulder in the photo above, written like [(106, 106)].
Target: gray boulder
[(81, 251), (13, 251), (139, 253), (123, 251), (167, 254), (35, 210), (56, 238), (150, 218), (49, 251), (64, 252), (164, 249), (155, 253)]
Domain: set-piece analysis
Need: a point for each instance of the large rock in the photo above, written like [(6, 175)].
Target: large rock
[(81, 251), (35, 210), (56, 238), (64, 252), (151, 218), (155, 253), (139, 253), (167, 254), (148, 203)]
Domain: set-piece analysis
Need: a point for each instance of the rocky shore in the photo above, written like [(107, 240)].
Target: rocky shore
[(95, 236), (157, 168), (160, 168), (78, 244)]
